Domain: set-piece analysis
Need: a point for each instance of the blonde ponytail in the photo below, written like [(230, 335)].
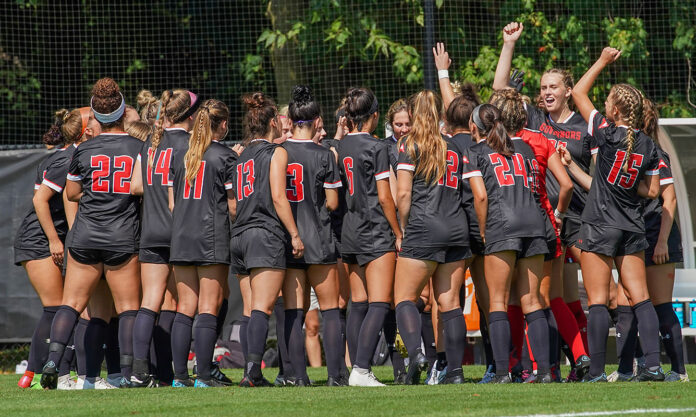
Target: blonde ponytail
[(209, 118)]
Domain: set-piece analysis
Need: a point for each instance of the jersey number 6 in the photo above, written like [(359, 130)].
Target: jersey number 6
[(348, 166), (101, 165)]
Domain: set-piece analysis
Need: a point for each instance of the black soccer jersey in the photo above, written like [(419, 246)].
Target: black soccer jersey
[(573, 134), (362, 161), (201, 220), (613, 200), (311, 170), (336, 215), (393, 151), (51, 172), (436, 218), (513, 209), (107, 215), (462, 142), (156, 218), (653, 208), (253, 190)]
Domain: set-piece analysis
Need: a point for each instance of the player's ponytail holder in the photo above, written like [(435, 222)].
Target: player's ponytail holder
[(195, 104), (114, 116), (477, 118), (159, 109)]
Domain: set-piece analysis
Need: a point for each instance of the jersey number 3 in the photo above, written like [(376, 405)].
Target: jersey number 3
[(245, 179), (295, 188), (101, 166), (634, 162)]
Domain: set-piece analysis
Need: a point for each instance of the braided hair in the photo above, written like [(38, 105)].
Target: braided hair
[(174, 104), (209, 118), (629, 102)]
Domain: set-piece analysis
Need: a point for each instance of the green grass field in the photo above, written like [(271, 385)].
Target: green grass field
[(645, 399)]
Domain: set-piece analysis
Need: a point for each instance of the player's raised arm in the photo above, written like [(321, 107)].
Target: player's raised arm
[(582, 88), (511, 34)]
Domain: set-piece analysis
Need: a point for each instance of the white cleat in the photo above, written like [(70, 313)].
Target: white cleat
[(65, 383), (617, 376), (363, 378), (97, 383), (80, 382)]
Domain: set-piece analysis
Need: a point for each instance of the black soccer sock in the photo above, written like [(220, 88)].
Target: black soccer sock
[(95, 335), (485, 339), (142, 335), (441, 361), (80, 351), (333, 341), (554, 338), (409, 321), (538, 335), (649, 329), (626, 338), (525, 358), (112, 353), (369, 333), (358, 310), (499, 329), (420, 304), (284, 365), (639, 350), (222, 316), (181, 344), (243, 326), (597, 334), (256, 339), (68, 356), (126, 320), (205, 336), (428, 335), (670, 329), (162, 340), (455, 337), (343, 314), (38, 352), (294, 339), (390, 337), (61, 329)]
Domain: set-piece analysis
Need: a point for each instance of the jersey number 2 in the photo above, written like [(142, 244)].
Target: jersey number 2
[(634, 162), (502, 169), (295, 188), (101, 165)]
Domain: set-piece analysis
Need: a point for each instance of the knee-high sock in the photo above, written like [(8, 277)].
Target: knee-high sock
[(455, 337), (671, 336), (409, 321), (357, 313), (95, 336), (527, 360), (61, 329), (181, 344), (554, 346), (516, 319), (538, 333), (649, 329), (66, 360), (626, 338), (568, 327), (333, 341), (112, 352), (284, 365), (369, 333), (206, 336), (428, 335), (38, 352), (243, 326), (390, 337), (580, 318), (222, 316), (499, 330), (343, 316), (142, 336), (126, 320), (256, 341), (80, 351), (485, 338), (295, 341), (162, 340), (597, 334)]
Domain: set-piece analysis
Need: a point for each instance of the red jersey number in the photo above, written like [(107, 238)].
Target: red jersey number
[(451, 179), (295, 188), (502, 169), (101, 164), (628, 179), (197, 184), (245, 179), (123, 168), (161, 166), (348, 166)]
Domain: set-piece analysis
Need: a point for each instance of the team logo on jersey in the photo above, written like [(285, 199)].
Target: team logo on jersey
[(662, 164), (604, 124), (465, 159), (402, 148)]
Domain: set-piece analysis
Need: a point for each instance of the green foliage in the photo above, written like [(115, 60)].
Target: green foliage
[(19, 89)]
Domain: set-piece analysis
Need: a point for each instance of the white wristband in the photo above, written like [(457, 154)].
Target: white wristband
[(558, 214), (442, 74)]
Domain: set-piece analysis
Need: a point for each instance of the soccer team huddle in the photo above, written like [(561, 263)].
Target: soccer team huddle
[(139, 216)]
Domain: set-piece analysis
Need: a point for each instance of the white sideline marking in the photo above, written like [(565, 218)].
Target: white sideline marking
[(615, 412)]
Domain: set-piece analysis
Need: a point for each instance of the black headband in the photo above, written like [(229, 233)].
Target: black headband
[(188, 113)]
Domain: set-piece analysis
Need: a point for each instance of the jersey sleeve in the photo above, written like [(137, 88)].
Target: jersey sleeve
[(54, 176), (230, 164), (332, 178), (470, 165), (654, 162), (381, 162), (405, 162), (76, 170), (596, 127), (665, 168)]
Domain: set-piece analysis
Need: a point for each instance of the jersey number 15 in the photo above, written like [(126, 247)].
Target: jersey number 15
[(634, 162)]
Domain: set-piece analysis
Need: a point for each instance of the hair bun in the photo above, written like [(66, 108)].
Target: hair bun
[(105, 87), (255, 100), (302, 94), (469, 92), (60, 116), (145, 98)]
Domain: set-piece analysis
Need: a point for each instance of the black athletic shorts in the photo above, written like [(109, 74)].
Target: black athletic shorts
[(570, 231), (674, 246), (524, 246), (24, 254), (97, 256), (256, 248), (476, 245), (362, 259), (552, 241), (610, 241), (156, 255), (441, 255)]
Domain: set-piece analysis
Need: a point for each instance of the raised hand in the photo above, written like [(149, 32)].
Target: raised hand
[(442, 59), (609, 55), (512, 32)]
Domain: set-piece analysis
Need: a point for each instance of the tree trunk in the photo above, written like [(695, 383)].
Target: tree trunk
[(287, 61)]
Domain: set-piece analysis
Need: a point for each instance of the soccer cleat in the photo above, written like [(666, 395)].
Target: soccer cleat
[(299, 382), (638, 365), (556, 374), (25, 380), (572, 376), (488, 376), (676, 377), (208, 383), (435, 376), (49, 376), (501, 379), (182, 382), (417, 365), (80, 383), (97, 383), (617, 376), (250, 382), (582, 366), (65, 383), (364, 378), (546, 378), (36, 382), (217, 374), (524, 376), (646, 375), (530, 378), (589, 378), (114, 379), (400, 378), (142, 381), (336, 382), (280, 381), (455, 377)]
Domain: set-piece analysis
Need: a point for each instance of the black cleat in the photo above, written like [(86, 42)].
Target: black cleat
[(280, 381), (591, 379), (582, 366), (142, 381), (250, 382), (217, 375), (299, 382), (501, 379), (336, 382), (49, 376), (454, 377), (415, 367), (400, 378), (645, 375)]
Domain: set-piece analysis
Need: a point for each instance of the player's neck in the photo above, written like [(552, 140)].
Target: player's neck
[(461, 131), (561, 115)]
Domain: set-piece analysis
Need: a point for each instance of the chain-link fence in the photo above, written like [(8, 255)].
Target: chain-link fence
[(12, 355)]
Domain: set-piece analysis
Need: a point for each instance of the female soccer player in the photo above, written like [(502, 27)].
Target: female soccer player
[(104, 236), (612, 223), (312, 191), (399, 122), (151, 178), (263, 217), (201, 181), (370, 227), (511, 240), (435, 233), (38, 246)]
